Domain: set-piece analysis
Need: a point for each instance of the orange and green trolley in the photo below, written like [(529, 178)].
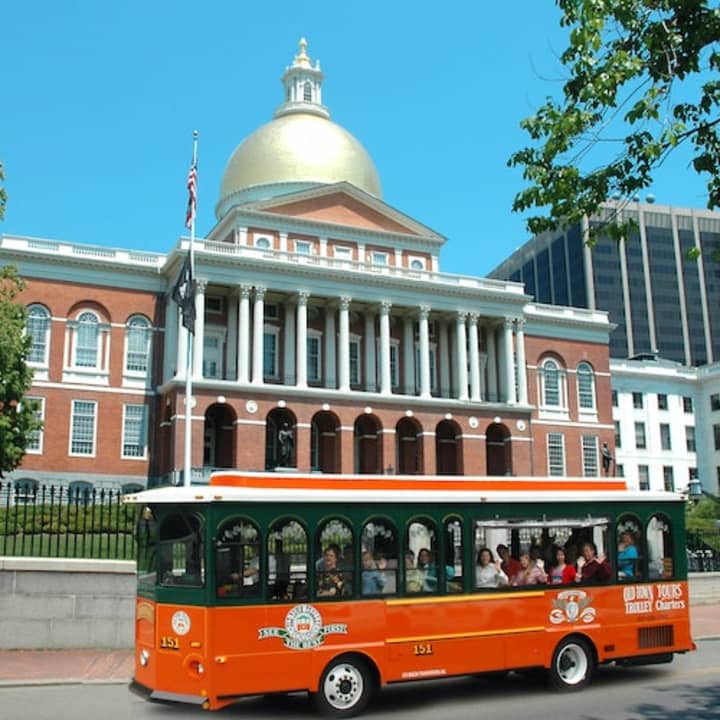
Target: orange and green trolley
[(340, 585)]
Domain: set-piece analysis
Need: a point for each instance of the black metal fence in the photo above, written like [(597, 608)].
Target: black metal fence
[(50, 521), (703, 550)]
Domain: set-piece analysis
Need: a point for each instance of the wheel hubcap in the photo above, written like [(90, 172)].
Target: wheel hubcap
[(572, 664), (343, 687)]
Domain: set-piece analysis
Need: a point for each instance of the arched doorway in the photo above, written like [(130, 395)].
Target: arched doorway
[(448, 448), (499, 450), (368, 445), (219, 436), (280, 439), (409, 448), (325, 442)]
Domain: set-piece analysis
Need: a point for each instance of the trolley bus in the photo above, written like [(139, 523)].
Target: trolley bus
[(270, 583)]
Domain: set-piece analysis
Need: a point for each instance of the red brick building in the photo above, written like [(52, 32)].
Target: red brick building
[(320, 307)]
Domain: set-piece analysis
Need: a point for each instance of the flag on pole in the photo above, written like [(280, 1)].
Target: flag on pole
[(184, 295), (192, 196)]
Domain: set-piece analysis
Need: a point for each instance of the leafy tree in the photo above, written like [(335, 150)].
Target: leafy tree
[(17, 419), (628, 60)]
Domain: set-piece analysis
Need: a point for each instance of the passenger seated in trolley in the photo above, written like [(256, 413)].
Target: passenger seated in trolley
[(592, 567), (627, 556), (374, 579), (531, 572), (489, 572), (331, 581)]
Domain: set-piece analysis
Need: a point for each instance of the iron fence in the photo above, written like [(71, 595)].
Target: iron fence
[(57, 521), (703, 550)]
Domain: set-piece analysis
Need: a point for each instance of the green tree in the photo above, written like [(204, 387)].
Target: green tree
[(632, 64), (17, 418)]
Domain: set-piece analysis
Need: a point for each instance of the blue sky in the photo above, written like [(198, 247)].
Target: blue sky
[(99, 101)]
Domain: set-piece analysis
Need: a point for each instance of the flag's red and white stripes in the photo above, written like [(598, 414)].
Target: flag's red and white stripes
[(192, 198)]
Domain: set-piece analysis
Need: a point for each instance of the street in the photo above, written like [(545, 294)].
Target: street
[(685, 689)]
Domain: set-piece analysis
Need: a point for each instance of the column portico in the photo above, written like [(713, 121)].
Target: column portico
[(243, 352), (301, 334), (521, 365), (423, 317), (370, 364), (492, 387), (258, 333), (198, 340), (508, 362), (344, 344), (462, 369), (385, 374), (474, 359)]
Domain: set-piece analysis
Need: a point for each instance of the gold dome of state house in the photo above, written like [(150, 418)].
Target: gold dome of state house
[(301, 147)]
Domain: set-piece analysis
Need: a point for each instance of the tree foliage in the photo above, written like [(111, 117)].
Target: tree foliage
[(17, 418), (632, 65)]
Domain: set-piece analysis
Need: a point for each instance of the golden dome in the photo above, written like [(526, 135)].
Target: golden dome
[(299, 148)]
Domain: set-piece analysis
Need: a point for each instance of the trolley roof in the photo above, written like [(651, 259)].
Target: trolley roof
[(236, 486)]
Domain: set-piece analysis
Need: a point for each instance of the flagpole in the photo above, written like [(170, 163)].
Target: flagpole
[(187, 475)]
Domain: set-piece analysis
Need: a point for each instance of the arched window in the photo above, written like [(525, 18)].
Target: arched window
[(37, 326), (551, 384), (180, 551), (287, 548), (630, 548), (585, 386), (237, 559), (379, 547), (453, 554), (80, 492), (660, 548), (137, 344), (307, 92), (334, 560), (422, 564), (87, 340), (131, 488)]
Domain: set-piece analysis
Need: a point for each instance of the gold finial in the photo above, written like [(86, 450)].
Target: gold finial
[(302, 58)]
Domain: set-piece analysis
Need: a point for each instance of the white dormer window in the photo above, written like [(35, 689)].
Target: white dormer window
[(303, 247), (417, 264), (263, 243), (342, 253), (380, 258)]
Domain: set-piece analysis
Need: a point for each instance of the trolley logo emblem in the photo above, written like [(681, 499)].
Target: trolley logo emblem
[(572, 606), (303, 629), (180, 623)]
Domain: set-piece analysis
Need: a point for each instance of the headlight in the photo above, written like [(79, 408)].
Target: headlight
[(144, 658)]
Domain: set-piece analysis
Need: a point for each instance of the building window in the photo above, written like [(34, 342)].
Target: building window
[(270, 356), (690, 438), (380, 258), (37, 326), (355, 362), (433, 361), (591, 467), (264, 243), (620, 470), (665, 441), (687, 404), (314, 368), (716, 436), (214, 304), (586, 387), (692, 475), (640, 441), (417, 264), (668, 478), (715, 402), (552, 396), (87, 340), (662, 402), (35, 439), (134, 442), (618, 435), (137, 344), (212, 352), (614, 398), (637, 400), (307, 91), (83, 427), (556, 454), (303, 247), (394, 368), (644, 477), (341, 252)]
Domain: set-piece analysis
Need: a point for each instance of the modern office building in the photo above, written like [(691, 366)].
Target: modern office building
[(322, 312), (665, 347)]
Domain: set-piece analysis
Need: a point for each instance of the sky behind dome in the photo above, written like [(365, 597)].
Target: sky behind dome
[(99, 101)]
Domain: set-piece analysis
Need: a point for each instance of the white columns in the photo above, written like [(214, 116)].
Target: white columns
[(408, 356), (424, 351), (461, 352), (344, 345), (508, 362), (474, 359), (521, 367), (492, 387), (385, 375), (444, 359), (199, 339), (243, 353), (258, 333), (289, 349), (301, 351), (330, 372), (370, 371)]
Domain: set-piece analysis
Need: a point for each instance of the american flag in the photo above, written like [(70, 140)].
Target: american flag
[(192, 198)]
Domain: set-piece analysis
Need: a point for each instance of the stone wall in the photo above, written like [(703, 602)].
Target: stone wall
[(59, 603)]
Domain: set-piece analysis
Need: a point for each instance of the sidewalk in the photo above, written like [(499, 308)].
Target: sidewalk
[(53, 667)]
